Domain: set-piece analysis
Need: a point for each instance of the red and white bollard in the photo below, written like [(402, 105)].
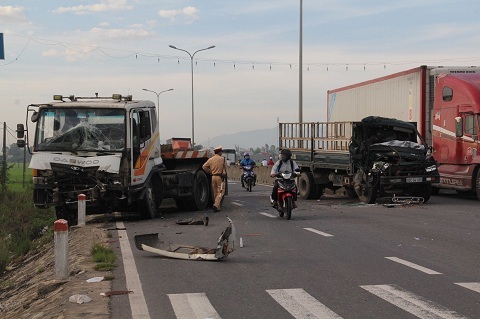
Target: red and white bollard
[(60, 228), (81, 209)]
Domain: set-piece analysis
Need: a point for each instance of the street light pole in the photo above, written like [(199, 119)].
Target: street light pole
[(300, 62), (158, 107), (191, 64)]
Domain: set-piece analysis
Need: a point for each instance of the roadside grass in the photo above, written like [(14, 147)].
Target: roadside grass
[(16, 181), (103, 256), (23, 227)]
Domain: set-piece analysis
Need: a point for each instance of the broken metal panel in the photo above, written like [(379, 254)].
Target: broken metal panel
[(225, 246)]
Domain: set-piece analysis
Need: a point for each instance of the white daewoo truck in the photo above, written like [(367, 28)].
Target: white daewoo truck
[(109, 150)]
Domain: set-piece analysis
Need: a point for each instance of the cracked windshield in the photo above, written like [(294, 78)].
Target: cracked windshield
[(80, 130)]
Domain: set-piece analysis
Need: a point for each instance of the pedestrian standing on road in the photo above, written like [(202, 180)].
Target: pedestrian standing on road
[(216, 165), (270, 162), (264, 162)]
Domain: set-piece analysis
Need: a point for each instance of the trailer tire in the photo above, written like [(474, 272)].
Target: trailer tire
[(148, 207), (306, 185), (477, 184)]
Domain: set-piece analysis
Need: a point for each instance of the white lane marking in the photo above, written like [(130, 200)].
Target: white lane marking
[(138, 305), (268, 215), (318, 232), (238, 204), (416, 305), (300, 304), (415, 266), (475, 286), (191, 306)]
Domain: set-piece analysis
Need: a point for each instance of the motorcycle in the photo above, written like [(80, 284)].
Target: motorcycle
[(248, 177), (286, 194)]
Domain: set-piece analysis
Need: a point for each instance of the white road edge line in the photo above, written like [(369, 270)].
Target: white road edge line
[(475, 286), (238, 204), (268, 215), (192, 305), (416, 305), (318, 232), (300, 304), (414, 266), (138, 305)]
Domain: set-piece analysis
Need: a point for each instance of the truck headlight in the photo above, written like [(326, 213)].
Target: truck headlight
[(431, 168)]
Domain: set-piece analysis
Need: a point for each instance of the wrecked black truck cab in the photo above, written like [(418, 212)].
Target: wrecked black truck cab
[(390, 158), (375, 157)]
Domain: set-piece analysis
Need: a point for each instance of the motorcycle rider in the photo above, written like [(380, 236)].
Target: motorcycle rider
[(247, 161), (285, 163)]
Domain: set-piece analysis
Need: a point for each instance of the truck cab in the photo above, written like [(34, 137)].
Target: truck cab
[(107, 149)]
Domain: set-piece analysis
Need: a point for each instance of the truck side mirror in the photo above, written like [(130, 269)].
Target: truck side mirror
[(35, 116), (458, 126), (20, 131), (20, 143)]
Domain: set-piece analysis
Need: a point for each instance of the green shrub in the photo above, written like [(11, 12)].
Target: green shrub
[(103, 256)]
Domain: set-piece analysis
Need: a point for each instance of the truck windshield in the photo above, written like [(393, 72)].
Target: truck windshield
[(80, 129)]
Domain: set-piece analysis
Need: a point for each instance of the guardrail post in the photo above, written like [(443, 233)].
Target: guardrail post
[(81, 209), (60, 228)]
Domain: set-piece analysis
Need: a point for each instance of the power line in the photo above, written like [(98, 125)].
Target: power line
[(157, 56)]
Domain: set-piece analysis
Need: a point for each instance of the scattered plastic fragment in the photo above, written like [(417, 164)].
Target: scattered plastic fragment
[(115, 292), (95, 279), (79, 299)]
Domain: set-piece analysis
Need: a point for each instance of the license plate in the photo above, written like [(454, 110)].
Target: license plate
[(414, 179)]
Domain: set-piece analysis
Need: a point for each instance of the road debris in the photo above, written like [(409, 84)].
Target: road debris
[(116, 292), (79, 299), (404, 201), (96, 279), (193, 221), (225, 246)]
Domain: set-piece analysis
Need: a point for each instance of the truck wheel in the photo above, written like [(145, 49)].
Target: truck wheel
[(306, 185), (350, 191), (148, 209), (70, 215), (477, 184), (424, 191), (368, 194), (435, 190), (319, 191), (201, 190)]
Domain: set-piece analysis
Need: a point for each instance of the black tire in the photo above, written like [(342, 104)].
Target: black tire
[(306, 186), (350, 191), (249, 185), (288, 207), (148, 208), (280, 212), (435, 191), (477, 184), (424, 191), (70, 215), (202, 191)]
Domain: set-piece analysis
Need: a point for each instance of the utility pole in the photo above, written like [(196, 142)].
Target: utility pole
[(4, 160)]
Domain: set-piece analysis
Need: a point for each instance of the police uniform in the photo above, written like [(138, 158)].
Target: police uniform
[(216, 166)]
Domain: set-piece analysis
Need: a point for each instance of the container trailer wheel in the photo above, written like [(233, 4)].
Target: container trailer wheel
[(306, 185)]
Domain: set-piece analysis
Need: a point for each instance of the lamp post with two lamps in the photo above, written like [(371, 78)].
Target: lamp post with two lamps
[(158, 106), (191, 61)]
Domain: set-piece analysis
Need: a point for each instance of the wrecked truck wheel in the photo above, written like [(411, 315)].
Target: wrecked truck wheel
[(424, 191), (306, 185), (200, 194), (70, 215), (368, 194), (350, 191), (148, 207)]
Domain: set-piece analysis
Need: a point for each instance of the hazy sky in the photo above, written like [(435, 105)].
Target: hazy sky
[(249, 80)]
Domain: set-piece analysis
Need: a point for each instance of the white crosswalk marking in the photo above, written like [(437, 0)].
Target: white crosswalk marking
[(192, 306), (475, 286), (411, 303), (414, 266), (300, 304)]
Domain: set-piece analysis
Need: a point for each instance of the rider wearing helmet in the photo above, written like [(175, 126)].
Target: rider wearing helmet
[(285, 163), (247, 161)]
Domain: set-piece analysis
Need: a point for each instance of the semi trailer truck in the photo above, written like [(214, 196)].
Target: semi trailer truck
[(444, 102)]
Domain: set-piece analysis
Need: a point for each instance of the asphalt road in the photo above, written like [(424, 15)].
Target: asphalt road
[(336, 258)]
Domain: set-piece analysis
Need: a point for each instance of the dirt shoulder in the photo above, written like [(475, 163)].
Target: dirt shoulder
[(29, 289)]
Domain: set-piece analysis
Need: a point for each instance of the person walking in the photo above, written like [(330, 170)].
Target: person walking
[(264, 162), (216, 165), (270, 162)]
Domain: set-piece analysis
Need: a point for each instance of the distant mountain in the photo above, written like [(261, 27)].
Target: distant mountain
[(246, 139)]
